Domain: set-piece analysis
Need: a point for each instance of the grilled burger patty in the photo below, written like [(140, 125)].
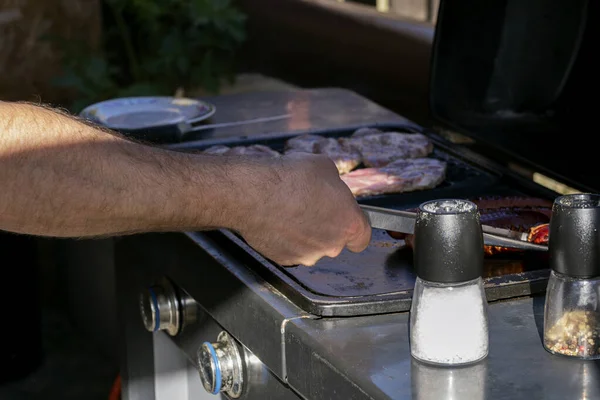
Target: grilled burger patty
[(378, 149), (345, 159), (369, 146), (397, 177)]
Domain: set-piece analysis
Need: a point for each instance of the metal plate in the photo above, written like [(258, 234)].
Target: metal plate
[(131, 113), (378, 280)]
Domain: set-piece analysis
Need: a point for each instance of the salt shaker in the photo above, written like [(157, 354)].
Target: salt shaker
[(448, 316), (572, 308)]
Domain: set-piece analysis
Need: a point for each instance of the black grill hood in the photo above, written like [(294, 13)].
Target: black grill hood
[(521, 76)]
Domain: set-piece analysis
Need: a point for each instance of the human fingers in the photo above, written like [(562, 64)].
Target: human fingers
[(360, 234)]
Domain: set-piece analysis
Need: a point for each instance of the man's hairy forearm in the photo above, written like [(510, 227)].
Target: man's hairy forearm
[(62, 177)]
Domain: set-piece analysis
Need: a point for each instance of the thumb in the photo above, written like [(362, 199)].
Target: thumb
[(360, 240)]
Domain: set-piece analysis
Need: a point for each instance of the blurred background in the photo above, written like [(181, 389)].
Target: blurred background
[(76, 52)]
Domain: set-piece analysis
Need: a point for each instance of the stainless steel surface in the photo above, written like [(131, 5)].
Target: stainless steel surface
[(439, 383), (373, 356), (221, 366), (253, 313), (160, 308), (250, 310), (309, 109), (260, 381), (175, 376), (364, 357), (404, 222)]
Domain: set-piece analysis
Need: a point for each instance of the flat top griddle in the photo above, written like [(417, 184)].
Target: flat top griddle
[(381, 278)]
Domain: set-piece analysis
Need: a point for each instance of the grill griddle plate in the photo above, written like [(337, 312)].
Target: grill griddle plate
[(381, 278), (386, 267)]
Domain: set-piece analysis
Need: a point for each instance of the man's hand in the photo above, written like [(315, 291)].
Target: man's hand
[(61, 177), (304, 212)]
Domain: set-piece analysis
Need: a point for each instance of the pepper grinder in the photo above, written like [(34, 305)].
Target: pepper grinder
[(448, 316), (572, 308)]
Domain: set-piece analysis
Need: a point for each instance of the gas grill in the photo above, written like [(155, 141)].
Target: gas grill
[(381, 279), (252, 329)]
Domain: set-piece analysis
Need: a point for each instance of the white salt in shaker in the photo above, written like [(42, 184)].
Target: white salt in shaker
[(448, 316)]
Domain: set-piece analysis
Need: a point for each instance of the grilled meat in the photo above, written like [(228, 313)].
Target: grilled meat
[(345, 159), (396, 161), (380, 149), (523, 214), (302, 144), (368, 146), (399, 176), (539, 234)]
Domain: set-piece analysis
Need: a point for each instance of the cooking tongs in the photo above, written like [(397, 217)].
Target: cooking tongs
[(404, 222)]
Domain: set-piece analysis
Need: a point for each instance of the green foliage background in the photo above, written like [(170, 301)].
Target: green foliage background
[(155, 47)]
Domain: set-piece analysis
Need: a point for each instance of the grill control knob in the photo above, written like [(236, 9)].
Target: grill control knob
[(161, 309), (221, 367)]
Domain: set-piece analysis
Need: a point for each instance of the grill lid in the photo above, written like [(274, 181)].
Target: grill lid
[(518, 76)]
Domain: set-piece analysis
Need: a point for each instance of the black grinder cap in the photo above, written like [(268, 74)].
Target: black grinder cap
[(574, 242), (448, 241)]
